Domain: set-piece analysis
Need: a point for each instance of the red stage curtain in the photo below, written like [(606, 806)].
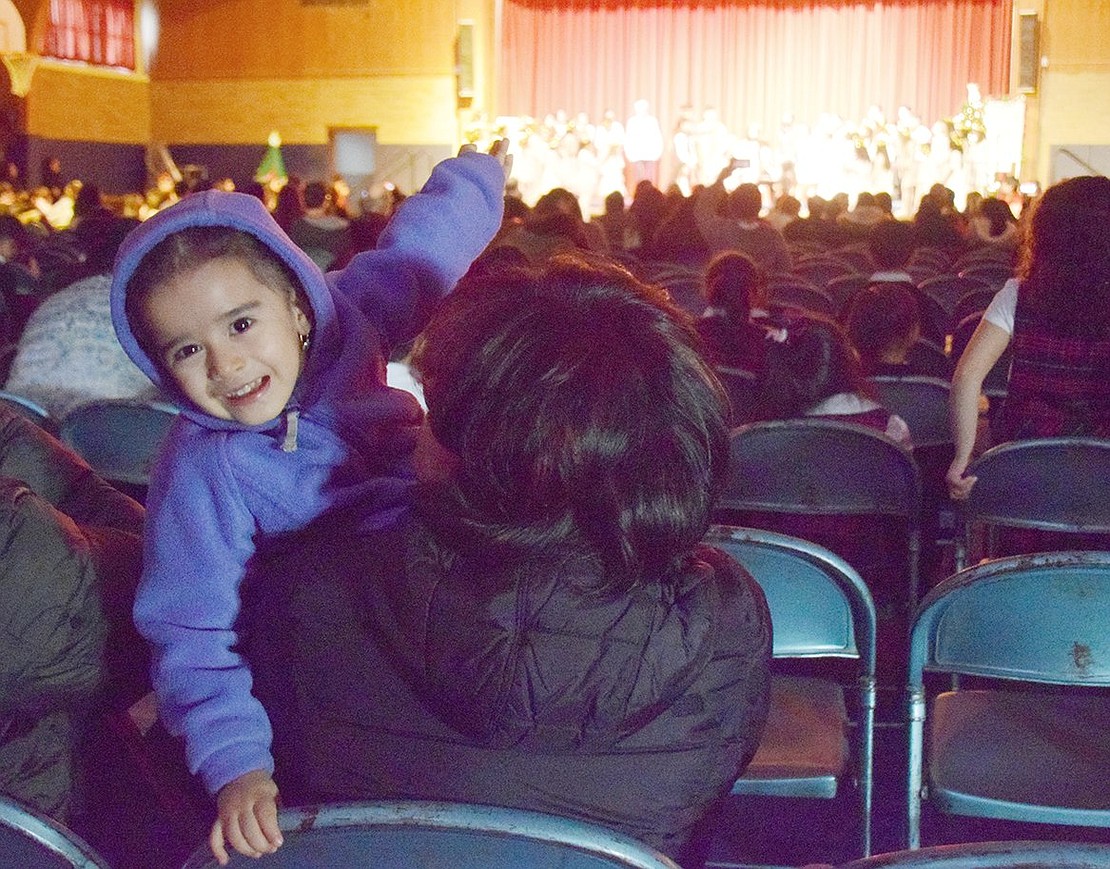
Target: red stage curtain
[(101, 32), (753, 61)]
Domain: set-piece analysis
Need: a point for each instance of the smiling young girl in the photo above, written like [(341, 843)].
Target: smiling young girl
[(280, 374)]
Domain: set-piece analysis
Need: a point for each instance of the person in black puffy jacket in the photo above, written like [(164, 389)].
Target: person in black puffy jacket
[(70, 553), (544, 629)]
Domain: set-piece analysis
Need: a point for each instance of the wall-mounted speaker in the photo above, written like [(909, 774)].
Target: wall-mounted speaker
[(464, 60), (1029, 52)]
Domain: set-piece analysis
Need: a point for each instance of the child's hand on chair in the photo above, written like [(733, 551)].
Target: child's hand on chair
[(247, 817)]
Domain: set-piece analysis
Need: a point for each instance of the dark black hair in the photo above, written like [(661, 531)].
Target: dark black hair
[(735, 283), (191, 248), (882, 318), (584, 421), (891, 243), (815, 361), (745, 202), (998, 213)]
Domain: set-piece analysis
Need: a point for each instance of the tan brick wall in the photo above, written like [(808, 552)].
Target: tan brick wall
[(404, 109)]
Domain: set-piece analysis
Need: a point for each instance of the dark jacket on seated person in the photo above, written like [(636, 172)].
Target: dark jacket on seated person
[(403, 670), (70, 555)]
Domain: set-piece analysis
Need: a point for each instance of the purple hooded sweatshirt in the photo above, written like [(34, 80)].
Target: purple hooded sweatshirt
[(219, 488)]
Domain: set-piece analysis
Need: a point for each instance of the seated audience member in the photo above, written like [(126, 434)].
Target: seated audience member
[(68, 354), (554, 226), (646, 213), (740, 227), (787, 210), (995, 226), (616, 224), (883, 324), (320, 232), (20, 288), (814, 372), (891, 245), (544, 630), (735, 292), (68, 652), (1056, 318), (677, 240)]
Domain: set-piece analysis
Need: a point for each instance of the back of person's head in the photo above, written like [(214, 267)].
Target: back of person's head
[(814, 360), (11, 229), (745, 202), (516, 209), (614, 203), (315, 194), (256, 189), (788, 205), (99, 238), (735, 283), (885, 201), (558, 200), (581, 419), (1065, 267), (883, 323), (866, 199), (88, 200), (998, 215), (891, 244), (648, 208), (189, 249)]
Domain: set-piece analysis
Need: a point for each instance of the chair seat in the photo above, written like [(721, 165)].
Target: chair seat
[(804, 748), (1008, 754)]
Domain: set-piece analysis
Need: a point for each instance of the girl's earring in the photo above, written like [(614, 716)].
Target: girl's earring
[(305, 339)]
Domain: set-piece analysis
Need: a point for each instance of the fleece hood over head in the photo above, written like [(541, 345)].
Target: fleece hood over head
[(238, 211)]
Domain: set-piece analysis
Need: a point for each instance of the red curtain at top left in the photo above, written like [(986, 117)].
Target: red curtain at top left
[(100, 32)]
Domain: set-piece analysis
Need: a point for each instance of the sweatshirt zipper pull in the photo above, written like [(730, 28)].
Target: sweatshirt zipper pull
[(289, 445)]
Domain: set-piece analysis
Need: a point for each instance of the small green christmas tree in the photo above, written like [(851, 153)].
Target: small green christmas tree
[(271, 171)]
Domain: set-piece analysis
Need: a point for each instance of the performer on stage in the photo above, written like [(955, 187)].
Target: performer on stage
[(643, 144)]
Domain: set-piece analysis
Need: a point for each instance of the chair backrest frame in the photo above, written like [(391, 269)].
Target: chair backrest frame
[(1028, 618), (496, 821), (825, 467), (119, 438), (820, 607), (55, 840)]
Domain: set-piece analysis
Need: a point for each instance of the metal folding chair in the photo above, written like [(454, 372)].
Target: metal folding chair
[(30, 840), (922, 402), (119, 438), (820, 608), (428, 835), (993, 855), (821, 467), (1045, 484), (29, 409), (1011, 751), (798, 293)]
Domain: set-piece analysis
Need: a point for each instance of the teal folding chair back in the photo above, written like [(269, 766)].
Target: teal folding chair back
[(820, 608), (1045, 484), (119, 438), (1032, 745), (993, 855), (922, 402), (742, 388), (822, 467), (798, 294), (427, 835), (30, 840)]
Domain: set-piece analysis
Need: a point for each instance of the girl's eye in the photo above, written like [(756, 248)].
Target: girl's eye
[(184, 352), (242, 324)]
